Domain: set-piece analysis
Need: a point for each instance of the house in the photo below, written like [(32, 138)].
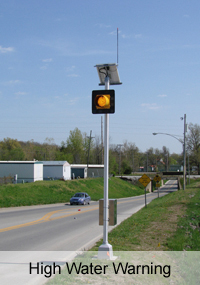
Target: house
[(80, 170), (23, 171), (95, 170), (56, 170)]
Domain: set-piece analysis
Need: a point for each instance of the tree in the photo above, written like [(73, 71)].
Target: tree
[(150, 157), (88, 145), (29, 150), (176, 159), (131, 154), (126, 168), (113, 166), (49, 149), (74, 145), (165, 157), (193, 145), (96, 151), (10, 149), (33, 150)]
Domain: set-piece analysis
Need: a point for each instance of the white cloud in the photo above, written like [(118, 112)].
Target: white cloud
[(73, 75), (70, 68), (114, 33), (47, 60), (126, 36), (12, 82), (71, 72), (67, 49), (73, 101), (162, 95), (93, 52), (21, 93), (150, 106), (103, 26), (6, 49), (44, 67), (138, 36)]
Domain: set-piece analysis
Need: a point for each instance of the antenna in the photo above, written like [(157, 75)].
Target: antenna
[(117, 46)]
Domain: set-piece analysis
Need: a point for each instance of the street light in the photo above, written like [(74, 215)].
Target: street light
[(168, 135), (183, 144)]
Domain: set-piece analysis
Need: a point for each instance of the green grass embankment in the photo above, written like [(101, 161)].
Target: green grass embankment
[(49, 192), (169, 223)]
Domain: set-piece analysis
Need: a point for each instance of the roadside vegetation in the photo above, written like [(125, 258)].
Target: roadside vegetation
[(169, 223), (57, 191)]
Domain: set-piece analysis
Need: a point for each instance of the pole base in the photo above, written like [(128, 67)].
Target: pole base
[(105, 251)]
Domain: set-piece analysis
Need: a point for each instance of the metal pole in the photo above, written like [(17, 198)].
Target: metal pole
[(106, 163), (120, 145), (105, 250), (101, 139), (117, 46), (147, 161), (184, 154), (133, 161), (188, 169), (90, 138), (145, 196)]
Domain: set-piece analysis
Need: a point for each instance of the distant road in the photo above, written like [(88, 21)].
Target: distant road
[(28, 232), (137, 177)]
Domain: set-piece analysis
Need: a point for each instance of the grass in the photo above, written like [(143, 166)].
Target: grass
[(48, 192), (169, 223), (166, 232)]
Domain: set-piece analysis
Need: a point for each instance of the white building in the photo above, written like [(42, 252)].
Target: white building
[(56, 170), (80, 170), (24, 171)]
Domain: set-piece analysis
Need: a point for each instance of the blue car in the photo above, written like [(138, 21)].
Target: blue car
[(80, 198)]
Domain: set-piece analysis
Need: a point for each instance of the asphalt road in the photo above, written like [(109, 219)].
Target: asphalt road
[(60, 227), (29, 234)]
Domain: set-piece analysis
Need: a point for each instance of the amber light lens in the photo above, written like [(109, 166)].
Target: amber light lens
[(103, 101)]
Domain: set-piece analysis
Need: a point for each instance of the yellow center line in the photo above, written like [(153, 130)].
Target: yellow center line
[(76, 213), (47, 217)]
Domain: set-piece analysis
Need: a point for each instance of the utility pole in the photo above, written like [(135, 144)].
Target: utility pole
[(147, 161), (133, 160), (120, 145), (90, 138)]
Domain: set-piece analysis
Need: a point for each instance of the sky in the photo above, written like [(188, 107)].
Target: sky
[(48, 50)]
